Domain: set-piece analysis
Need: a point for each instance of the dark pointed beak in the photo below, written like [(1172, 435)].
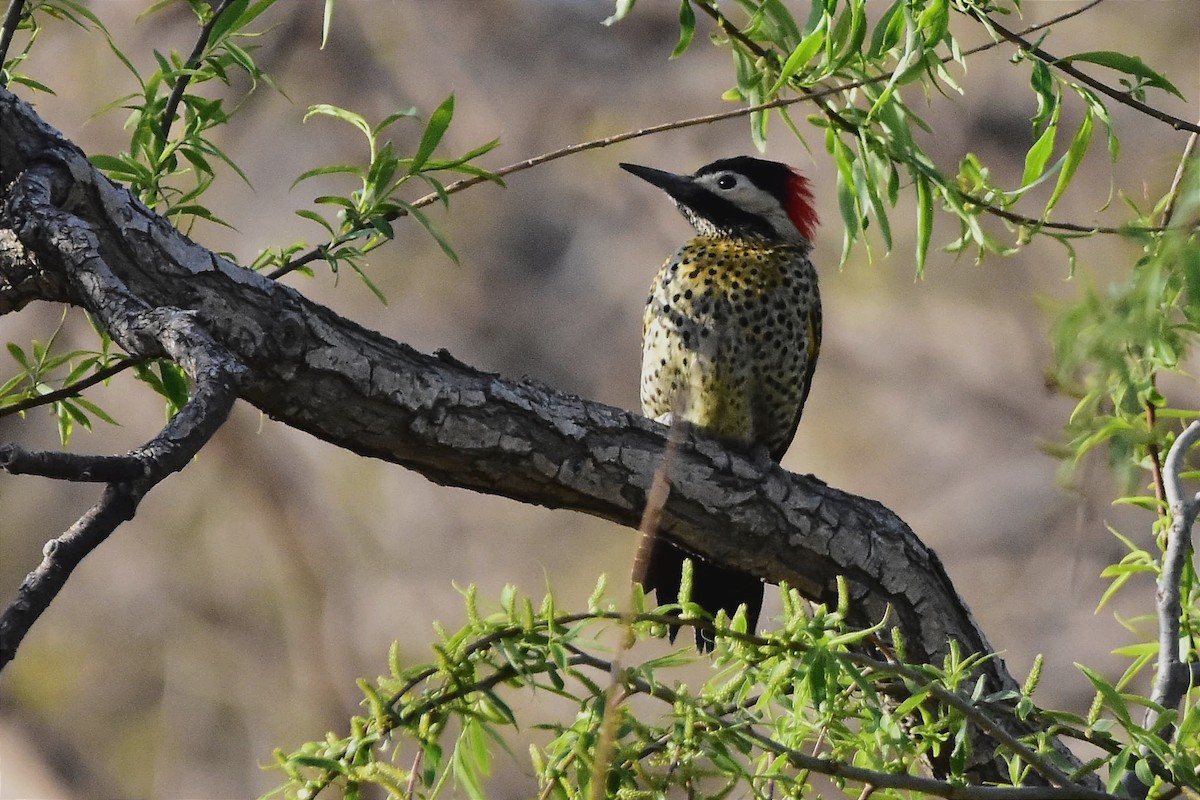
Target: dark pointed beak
[(680, 187)]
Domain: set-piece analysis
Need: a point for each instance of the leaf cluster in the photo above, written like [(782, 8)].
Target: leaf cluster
[(365, 216), (170, 167), (775, 711)]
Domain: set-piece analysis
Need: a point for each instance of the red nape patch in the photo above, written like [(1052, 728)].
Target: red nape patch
[(800, 204)]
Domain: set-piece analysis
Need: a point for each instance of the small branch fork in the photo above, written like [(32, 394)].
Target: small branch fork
[(1174, 676), (143, 331)]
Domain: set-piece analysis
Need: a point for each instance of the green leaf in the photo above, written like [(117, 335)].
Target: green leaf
[(1112, 699), (437, 235), (230, 16), (331, 169), (799, 57), (1075, 153), (622, 10), (328, 110), (888, 30), (1039, 154), (924, 221), (309, 214), (95, 410), (1130, 65), (18, 354), (25, 80), (935, 21), (434, 131), (687, 28), (404, 113), (174, 384), (370, 284), (326, 21)]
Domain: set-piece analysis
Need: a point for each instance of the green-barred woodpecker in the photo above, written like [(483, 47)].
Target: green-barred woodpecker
[(730, 338)]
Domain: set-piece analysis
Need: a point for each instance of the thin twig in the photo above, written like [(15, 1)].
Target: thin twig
[(410, 791), (185, 77), (72, 389), (1156, 473), (12, 19), (1177, 182)]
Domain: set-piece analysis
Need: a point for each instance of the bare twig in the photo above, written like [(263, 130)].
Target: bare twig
[(1177, 182), (12, 18), (174, 447), (1156, 473), (410, 790), (185, 77)]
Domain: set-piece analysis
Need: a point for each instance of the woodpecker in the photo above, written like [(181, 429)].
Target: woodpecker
[(730, 337)]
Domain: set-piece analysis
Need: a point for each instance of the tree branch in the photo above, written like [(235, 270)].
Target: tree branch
[(132, 477), (156, 291), (67, 244), (1173, 676)]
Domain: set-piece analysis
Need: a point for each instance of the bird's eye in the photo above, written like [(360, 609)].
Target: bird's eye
[(726, 182)]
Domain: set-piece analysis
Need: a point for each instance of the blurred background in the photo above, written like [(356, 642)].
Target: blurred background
[(233, 615)]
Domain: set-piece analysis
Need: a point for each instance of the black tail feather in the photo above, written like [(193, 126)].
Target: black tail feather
[(658, 567)]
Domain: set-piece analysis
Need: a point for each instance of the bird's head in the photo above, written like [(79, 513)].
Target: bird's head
[(741, 197)]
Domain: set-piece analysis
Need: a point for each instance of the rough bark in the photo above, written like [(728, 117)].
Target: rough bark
[(81, 239)]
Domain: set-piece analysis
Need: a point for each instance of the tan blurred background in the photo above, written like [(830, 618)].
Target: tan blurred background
[(235, 612)]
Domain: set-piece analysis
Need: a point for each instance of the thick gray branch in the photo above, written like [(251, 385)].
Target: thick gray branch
[(313, 370), (1173, 677)]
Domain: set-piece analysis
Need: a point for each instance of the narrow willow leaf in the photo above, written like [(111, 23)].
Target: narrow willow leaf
[(362, 276), (329, 110), (1039, 154), (1043, 85), (326, 21), (887, 31), (758, 127), (174, 384), (230, 16), (935, 21), (18, 354), (1130, 65), (800, 57), (1074, 156), (924, 222), (622, 10), (434, 131), (788, 31), (687, 28), (437, 235)]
